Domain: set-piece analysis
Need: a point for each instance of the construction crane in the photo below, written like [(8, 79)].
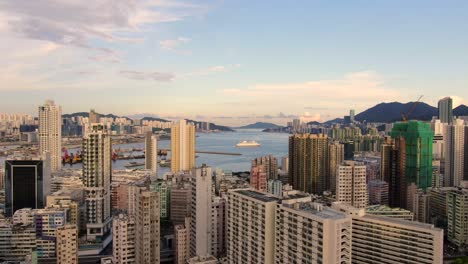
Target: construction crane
[(405, 116)]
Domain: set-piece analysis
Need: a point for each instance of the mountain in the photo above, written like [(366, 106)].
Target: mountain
[(260, 125), (334, 121), (212, 126), (86, 114), (148, 118), (461, 110), (391, 112)]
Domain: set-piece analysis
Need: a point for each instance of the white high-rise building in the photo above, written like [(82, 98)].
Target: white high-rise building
[(309, 232), (200, 233), (50, 133), (97, 174), (182, 146), (251, 227), (67, 244), (454, 153), (151, 153), (351, 187), (380, 239), (123, 239)]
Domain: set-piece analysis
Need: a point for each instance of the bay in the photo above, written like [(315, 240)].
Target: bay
[(275, 144)]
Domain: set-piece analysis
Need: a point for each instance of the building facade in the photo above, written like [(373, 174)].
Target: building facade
[(50, 133), (351, 187), (182, 147), (308, 162), (97, 177)]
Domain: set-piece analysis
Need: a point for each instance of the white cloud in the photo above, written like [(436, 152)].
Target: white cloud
[(357, 90), (174, 44), (214, 69), (155, 76)]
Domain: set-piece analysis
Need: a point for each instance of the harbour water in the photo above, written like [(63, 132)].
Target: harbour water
[(271, 143)]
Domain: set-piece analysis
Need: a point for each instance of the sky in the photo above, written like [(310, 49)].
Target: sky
[(231, 62)]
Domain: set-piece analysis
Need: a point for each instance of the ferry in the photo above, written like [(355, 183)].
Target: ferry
[(134, 164), (248, 144)]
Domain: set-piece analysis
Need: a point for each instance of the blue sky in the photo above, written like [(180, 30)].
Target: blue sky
[(231, 62)]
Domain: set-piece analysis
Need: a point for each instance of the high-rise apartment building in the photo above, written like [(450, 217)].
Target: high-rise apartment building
[(307, 232), (27, 184), (123, 239), (94, 117), (16, 241), (218, 226), (285, 165), (351, 187), (97, 176), (182, 242), (380, 239), (457, 216), (445, 110), (151, 153), (147, 226), (50, 133), (258, 178), (182, 146), (454, 143), (270, 164), (181, 194), (164, 190), (200, 233), (410, 160), (378, 192), (335, 158), (308, 162), (251, 227), (67, 244)]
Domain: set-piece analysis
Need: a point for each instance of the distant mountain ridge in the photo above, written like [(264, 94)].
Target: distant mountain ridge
[(86, 114), (260, 125), (392, 112)]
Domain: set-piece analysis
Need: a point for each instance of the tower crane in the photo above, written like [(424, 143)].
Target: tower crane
[(405, 116)]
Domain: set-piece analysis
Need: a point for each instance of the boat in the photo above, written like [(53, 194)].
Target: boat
[(134, 164), (248, 144)]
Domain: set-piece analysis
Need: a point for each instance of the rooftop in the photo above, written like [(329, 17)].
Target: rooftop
[(318, 210), (384, 208), (258, 195)]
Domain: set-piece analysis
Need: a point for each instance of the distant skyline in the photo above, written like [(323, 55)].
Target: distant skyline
[(231, 62)]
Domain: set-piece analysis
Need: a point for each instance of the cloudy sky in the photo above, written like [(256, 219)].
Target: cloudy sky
[(231, 61)]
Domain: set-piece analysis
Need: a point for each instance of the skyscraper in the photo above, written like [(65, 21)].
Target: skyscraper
[(93, 117), (335, 158), (457, 211), (270, 164), (351, 185), (50, 133), (147, 226), (151, 153), (308, 162), (413, 140), (97, 176), (27, 183), (200, 233), (454, 144), (182, 146), (445, 110), (351, 115)]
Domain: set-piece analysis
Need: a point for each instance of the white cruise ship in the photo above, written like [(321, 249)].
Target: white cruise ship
[(248, 144)]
